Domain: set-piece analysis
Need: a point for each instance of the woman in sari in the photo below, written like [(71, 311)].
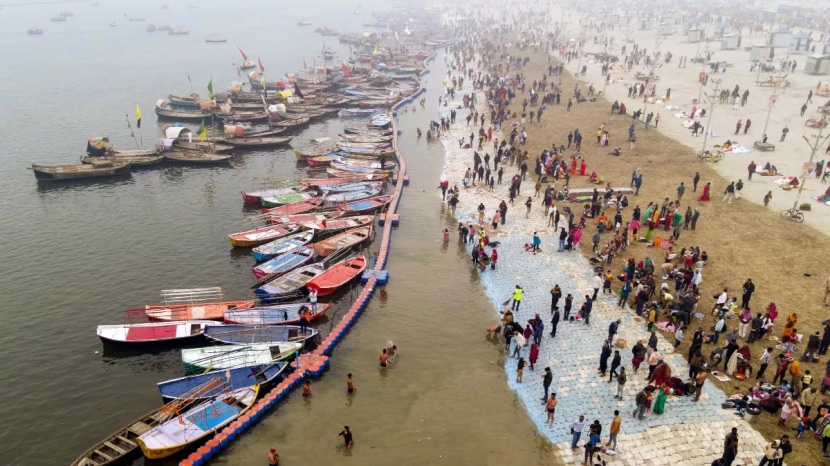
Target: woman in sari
[(660, 402), (705, 196)]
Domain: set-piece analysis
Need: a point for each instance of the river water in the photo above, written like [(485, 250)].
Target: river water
[(75, 256)]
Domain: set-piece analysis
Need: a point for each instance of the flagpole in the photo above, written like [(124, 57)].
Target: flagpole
[(132, 133), (191, 85)]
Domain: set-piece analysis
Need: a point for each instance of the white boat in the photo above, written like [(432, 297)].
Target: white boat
[(153, 332), (196, 423), (230, 356)]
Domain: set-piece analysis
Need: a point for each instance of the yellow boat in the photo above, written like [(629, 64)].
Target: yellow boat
[(197, 423)]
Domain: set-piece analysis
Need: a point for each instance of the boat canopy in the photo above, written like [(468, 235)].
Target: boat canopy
[(175, 132), (161, 103)]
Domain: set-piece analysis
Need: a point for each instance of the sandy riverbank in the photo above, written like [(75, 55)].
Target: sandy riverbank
[(788, 156)]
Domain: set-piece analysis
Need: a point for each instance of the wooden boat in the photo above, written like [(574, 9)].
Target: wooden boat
[(283, 314), (315, 148), (253, 334), (332, 226), (337, 275), (152, 332), (296, 208), (344, 175), (320, 182), (196, 423), (349, 186), (283, 199), (271, 250), (122, 444), (135, 160), (191, 101), (198, 311), (259, 141), (229, 356), (99, 169), (364, 138), (251, 238), (264, 375), (338, 165), (324, 160), (300, 218), (347, 239), (244, 117), (371, 204), (367, 149), (293, 122), (365, 130), (255, 197), (201, 146), (356, 112), (351, 196), (196, 158), (283, 263), (181, 115), (374, 163)]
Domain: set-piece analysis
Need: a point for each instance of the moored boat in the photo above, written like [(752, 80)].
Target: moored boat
[(254, 334), (349, 186), (258, 141), (191, 101), (283, 199), (230, 356), (347, 239), (324, 160), (330, 226), (197, 311), (348, 167), (98, 169), (196, 423), (350, 196), (251, 238), (371, 204), (121, 444), (300, 218), (255, 197), (152, 332), (271, 250), (283, 263), (283, 314), (264, 375), (296, 208), (337, 275), (196, 158)]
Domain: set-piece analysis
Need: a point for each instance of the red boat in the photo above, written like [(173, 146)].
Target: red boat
[(371, 204), (301, 218), (337, 275), (295, 208)]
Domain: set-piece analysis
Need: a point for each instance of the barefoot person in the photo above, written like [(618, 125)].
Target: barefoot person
[(350, 384), (347, 437), (550, 408), (273, 458), (307, 388), (384, 357)]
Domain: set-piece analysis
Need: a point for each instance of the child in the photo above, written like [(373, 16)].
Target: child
[(494, 256), (307, 388), (446, 235), (520, 369), (802, 426), (350, 384)]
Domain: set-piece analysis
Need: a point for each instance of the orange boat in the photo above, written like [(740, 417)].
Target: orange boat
[(295, 208), (202, 311), (337, 275), (346, 239)]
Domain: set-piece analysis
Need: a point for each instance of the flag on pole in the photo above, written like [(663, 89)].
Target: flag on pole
[(345, 70), (188, 79), (210, 89), (261, 68), (244, 57), (132, 134), (138, 116), (297, 91), (202, 133)]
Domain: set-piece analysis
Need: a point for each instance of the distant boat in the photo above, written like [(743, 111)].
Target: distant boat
[(78, 172), (283, 245), (251, 238), (151, 28), (216, 40), (67, 13), (137, 20), (196, 423), (112, 24), (178, 32), (165, 7), (35, 31), (58, 19), (304, 22)]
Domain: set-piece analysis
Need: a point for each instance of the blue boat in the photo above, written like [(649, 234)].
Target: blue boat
[(282, 245), (283, 263), (241, 377), (250, 334), (348, 187), (351, 196)]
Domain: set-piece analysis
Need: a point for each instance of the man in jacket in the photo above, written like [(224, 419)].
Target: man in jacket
[(757, 325), (642, 402), (748, 289), (812, 347)]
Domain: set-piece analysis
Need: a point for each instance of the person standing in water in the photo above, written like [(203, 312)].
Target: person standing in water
[(350, 388), (273, 458), (384, 357), (347, 437)]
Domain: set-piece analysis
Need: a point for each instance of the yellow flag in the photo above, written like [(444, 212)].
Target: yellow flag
[(202, 133), (138, 116)]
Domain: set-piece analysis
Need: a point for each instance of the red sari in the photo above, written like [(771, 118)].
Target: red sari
[(582, 168), (705, 196), (573, 166)]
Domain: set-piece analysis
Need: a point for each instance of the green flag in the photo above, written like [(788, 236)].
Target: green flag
[(210, 89), (202, 133)]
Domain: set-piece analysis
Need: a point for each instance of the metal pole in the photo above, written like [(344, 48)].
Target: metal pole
[(819, 143), (706, 129), (771, 105)]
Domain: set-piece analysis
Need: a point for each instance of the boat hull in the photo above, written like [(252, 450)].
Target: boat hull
[(71, 173), (337, 276)]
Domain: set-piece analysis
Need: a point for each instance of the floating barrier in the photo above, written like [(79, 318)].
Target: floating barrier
[(316, 362)]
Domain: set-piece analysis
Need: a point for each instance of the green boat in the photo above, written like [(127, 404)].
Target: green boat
[(282, 199)]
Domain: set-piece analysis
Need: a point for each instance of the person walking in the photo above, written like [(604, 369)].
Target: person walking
[(518, 292), (699, 381), (347, 437), (695, 181), (576, 431), (642, 403), (729, 193), (680, 191), (596, 284), (555, 296), (747, 124), (751, 170), (554, 322), (784, 132), (615, 364)]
